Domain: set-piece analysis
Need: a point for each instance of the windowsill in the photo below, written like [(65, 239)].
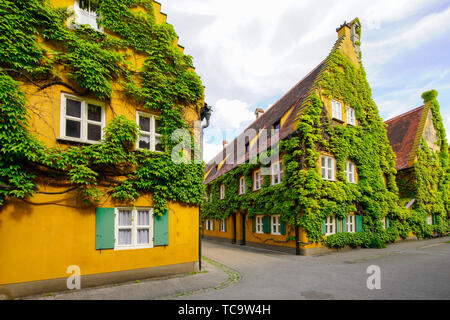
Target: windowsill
[(118, 248), (276, 234), (74, 141), (338, 120)]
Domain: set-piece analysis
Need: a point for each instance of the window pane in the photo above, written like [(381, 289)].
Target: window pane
[(125, 218), (144, 142), (73, 129), (158, 145), (73, 108), (124, 237), (157, 124), (143, 236), (144, 123), (143, 218), (94, 113), (94, 132)]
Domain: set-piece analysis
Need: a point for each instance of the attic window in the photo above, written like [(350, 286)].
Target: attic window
[(85, 13), (276, 126)]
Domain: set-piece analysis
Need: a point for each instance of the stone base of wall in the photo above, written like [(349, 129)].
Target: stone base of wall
[(16, 290)]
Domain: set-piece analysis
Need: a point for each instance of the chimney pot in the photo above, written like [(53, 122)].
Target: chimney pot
[(225, 142), (259, 112)]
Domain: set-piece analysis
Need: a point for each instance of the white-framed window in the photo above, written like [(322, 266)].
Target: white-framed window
[(336, 109), (351, 116), (429, 219), (210, 197), (351, 223), (328, 168), (259, 224), (275, 225), (81, 120), (86, 16), (209, 224), (223, 225), (149, 139), (277, 172), (330, 225), (242, 185), (222, 192), (133, 228), (350, 170), (257, 180)]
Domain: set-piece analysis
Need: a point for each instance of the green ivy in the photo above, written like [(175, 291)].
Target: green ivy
[(92, 62)]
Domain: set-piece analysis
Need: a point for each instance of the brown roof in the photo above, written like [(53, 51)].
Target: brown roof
[(293, 98), (402, 132)]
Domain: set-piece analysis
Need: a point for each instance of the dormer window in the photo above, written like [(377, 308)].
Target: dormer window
[(247, 147), (336, 107), (85, 14), (276, 126)]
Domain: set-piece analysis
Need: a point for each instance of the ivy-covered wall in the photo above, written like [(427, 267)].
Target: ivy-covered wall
[(38, 49), (304, 199)]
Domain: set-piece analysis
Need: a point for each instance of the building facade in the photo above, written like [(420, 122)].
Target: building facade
[(333, 184), (91, 93)]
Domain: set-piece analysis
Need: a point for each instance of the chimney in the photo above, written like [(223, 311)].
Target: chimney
[(225, 143), (259, 112)]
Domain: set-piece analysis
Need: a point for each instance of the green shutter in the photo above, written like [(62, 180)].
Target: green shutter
[(225, 222), (283, 227), (344, 225), (388, 223), (324, 227), (359, 224), (254, 224), (104, 228), (161, 232), (266, 224), (338, 225)]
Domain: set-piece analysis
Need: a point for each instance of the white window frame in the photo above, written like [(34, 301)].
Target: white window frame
[(209, 224), (430, 219), (350, 172), (336, 109), (242, 185), (222, 192), (328, 173), (257, 182), (223, 224), (351, 116), (84, 122), (259, 224), (275, 225), (330, 225), (152, 133), (277, 172), (89, 17), (134, 228), (351, 223)]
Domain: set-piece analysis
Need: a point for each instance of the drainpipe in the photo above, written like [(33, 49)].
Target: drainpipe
[(205, 113)]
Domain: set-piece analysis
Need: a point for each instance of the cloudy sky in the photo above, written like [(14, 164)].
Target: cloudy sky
[(250, 52)]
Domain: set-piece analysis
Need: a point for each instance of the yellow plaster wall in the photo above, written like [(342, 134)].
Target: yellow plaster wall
[(347, 46), (39, 242)]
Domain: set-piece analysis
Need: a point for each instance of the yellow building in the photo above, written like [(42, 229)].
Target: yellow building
[(333, 183), (78, 187)]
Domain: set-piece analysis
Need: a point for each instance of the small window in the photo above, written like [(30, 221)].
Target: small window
[(133, 228), (149, 139), (330, 225), (351, 223), (222, 192), (351, 116), (336, 110), (430, 219), (85, 14), (328, 168), (276, 126), (242, 185), (259, 224), (81, 120), (223, 225), (350, 172), (209, 224), (257, 180), (276, 225), (383, 222), (277, 172), (210, 197)]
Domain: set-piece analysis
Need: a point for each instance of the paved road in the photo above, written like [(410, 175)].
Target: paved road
[(409, 270)]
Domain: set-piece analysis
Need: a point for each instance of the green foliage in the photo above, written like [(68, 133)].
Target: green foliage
[(95, 61)]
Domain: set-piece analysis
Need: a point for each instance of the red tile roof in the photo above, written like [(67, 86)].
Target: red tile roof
[(402, 131)]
